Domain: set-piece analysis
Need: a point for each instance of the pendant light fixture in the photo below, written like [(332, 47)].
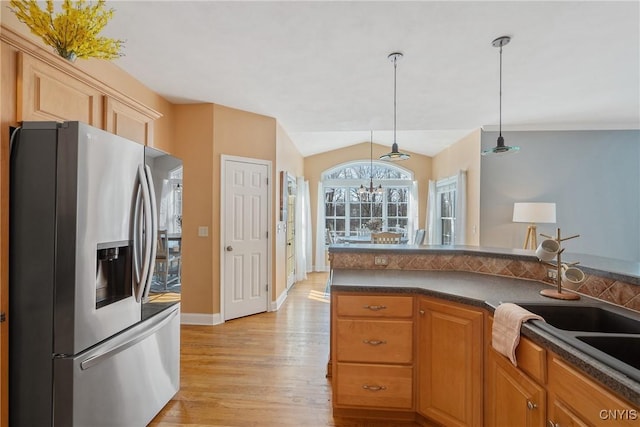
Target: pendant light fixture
[(395, 154), (500, 148), (371, 189)]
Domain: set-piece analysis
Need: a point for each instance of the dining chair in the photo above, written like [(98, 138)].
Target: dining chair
[(385, 237), (166, 258)]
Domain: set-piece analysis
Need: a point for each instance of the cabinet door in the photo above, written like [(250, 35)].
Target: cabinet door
[(47, 93), (450, 363), (596, 405), (512, 398), (127, 122), (561, 416)]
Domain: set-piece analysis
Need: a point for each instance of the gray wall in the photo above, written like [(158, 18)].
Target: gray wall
[(592, 176)]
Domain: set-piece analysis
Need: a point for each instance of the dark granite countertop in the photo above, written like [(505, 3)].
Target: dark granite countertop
[(626, 271), (487, 292)]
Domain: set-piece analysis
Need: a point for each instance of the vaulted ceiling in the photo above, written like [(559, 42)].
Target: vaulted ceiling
[(321, 68)]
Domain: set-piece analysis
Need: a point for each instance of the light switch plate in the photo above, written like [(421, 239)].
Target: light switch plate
[(203, 231)]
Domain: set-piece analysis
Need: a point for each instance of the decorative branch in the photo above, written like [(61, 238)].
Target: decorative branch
[(74, 32)]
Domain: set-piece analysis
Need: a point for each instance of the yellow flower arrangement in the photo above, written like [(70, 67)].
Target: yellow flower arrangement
[(73, 33)]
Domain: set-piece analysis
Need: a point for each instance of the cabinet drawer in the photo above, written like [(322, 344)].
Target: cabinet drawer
[(532, 359), (375, 386), (374, 305), (376, 341)]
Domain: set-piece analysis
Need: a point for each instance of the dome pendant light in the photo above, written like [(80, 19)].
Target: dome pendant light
[(395, 154), (500, 148)]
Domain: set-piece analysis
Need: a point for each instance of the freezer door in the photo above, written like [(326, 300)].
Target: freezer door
[(97, 185), (125, 381)]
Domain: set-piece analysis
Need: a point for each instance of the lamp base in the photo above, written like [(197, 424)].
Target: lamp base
[(531, 241), (553, 293)]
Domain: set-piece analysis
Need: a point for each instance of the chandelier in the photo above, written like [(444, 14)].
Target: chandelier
[(371, 189)]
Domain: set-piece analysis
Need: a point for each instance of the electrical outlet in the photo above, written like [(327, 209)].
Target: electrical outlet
[(552, 274), (380, 260)]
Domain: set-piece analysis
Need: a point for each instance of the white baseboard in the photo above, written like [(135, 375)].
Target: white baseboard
[(275, 305), (200, 319)]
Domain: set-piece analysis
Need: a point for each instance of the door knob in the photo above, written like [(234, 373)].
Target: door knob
[(229, 248)]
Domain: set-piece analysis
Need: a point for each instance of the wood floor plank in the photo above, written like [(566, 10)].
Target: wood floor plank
[(261, 371)]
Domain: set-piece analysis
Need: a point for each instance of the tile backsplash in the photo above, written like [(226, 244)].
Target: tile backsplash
[(606, 289)]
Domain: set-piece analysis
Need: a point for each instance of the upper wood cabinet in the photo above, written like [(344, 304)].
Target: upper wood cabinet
[(51, 91), (46, 93), (128, 122)]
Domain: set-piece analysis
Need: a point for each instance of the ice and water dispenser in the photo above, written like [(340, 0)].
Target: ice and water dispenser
[(113, 272)]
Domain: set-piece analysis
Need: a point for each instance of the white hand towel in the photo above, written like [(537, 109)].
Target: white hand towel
[(505, 333)]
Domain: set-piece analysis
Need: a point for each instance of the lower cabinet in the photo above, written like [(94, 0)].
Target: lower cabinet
[(417, 358), (575, 400), (372, 340), (449, 363), (512, 398)]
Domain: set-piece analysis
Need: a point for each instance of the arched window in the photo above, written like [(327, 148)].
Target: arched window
[(351, 212)]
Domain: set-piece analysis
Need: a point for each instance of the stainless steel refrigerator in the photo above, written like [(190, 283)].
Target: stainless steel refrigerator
[(86, 348)]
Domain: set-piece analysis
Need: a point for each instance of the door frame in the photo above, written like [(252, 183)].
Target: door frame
[(224, 158)]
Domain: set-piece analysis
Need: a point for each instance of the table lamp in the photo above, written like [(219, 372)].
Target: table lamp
[(533, 213)]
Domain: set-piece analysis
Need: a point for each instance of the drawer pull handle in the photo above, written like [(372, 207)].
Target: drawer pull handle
[(374, 387), (531, 406), (552, 424), (375, 307), (374, 342)]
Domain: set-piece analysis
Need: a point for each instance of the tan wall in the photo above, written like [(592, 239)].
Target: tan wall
[(194, 145), (314, 165), (288, 159), (243, 134), (464, 155)]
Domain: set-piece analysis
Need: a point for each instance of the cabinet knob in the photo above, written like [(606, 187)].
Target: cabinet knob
[(421, 312), (531, 406), (550, 423)]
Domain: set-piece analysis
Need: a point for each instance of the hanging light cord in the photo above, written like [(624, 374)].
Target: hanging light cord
[(395, 71), (500, 92)]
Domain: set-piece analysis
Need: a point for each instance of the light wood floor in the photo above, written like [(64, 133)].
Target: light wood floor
[(260, 371)]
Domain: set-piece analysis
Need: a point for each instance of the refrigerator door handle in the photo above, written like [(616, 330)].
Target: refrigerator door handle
[(154, 231), (148, 331), (137, 233), (147, 226)]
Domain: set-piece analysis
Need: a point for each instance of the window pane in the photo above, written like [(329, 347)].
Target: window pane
[(447, 231), (351, 210)]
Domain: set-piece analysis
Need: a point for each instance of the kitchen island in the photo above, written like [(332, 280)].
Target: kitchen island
[(411, 339)]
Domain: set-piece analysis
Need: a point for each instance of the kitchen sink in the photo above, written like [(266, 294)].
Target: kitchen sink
[(599, 331), (585, 318), (623, 348)]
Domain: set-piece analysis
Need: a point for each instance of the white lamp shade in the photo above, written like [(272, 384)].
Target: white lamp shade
[(534, 213)]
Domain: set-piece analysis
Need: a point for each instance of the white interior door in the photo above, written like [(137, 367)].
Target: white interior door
[(245, 237)]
